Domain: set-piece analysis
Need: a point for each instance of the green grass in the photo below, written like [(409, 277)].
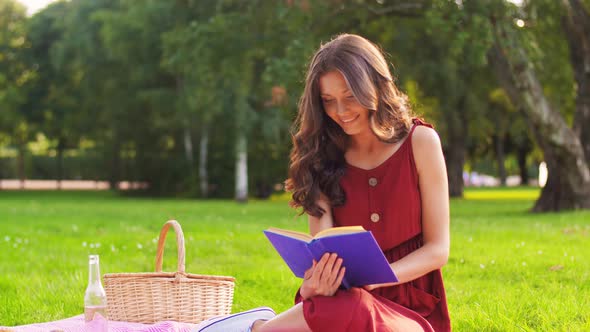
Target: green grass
[(509, 270)]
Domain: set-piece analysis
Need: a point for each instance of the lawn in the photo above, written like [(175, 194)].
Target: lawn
[(509, 270)]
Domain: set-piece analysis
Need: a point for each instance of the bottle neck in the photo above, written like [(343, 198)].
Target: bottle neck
[(93, 270)]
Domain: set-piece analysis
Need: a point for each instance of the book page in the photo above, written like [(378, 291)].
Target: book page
[(292, 234), (339, 230)]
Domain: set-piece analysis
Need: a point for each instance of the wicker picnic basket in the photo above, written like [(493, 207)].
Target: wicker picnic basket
[(178, 296)]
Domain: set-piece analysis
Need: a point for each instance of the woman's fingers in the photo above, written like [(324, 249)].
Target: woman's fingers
[(328, 271), (318, 272), (340, 277), (328, 274), (335, 271), (309, 271), (337, 275)]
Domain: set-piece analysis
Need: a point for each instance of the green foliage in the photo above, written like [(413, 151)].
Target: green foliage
[(543, 38), (14, 73), (508, 270), (139, 79)]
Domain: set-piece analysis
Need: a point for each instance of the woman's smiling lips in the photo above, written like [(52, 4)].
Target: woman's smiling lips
[(349, 119)]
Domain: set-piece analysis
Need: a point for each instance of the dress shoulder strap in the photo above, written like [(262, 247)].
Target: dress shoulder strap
[(418, 122)]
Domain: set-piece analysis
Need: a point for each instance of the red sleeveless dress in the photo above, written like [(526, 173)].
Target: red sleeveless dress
[(385, 200)]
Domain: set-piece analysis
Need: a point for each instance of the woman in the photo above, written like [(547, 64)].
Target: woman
[(359, 158)]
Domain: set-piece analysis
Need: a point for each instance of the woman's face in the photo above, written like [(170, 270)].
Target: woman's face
[(341, 105)]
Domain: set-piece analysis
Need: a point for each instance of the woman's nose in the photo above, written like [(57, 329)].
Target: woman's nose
[(341, 108)]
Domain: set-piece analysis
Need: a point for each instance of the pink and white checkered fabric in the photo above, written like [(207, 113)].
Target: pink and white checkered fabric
[(76, 324)]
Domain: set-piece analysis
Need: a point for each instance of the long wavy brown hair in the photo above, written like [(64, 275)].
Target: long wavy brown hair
[(317, 158)]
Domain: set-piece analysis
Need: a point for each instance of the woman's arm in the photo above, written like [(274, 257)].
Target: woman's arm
[(325, 276), (434, 193), (324, 222)]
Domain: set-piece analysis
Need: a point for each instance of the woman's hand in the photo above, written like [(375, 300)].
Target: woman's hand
[(323, 277), (374, 286)]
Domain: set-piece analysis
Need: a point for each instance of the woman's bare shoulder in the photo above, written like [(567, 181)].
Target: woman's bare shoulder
[(427, 149), (425, 137)]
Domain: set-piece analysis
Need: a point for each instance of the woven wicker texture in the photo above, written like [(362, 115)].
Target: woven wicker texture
[(178, 296)]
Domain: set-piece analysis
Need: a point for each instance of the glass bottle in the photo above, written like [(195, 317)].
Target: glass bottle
[(95, 299)]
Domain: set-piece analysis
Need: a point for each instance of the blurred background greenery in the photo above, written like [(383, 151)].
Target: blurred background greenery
[(195, 98)]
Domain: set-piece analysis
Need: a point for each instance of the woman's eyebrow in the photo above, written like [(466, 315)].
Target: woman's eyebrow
[(329, 95)]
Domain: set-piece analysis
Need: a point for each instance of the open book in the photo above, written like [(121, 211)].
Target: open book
[(364, 261)]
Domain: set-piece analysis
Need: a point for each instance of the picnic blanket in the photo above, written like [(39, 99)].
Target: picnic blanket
[(76, 324)]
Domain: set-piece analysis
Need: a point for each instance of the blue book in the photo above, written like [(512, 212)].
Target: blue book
[(364, 261)]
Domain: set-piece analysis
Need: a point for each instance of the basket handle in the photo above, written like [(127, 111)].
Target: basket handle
[(179, 243)]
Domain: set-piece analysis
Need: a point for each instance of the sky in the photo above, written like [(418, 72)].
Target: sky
[(34, 6), (516, 2)]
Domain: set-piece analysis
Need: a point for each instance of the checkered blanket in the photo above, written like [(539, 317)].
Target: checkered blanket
[(76, 324)]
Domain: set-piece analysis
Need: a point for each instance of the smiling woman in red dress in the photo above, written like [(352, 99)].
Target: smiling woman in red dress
[(360, 158)]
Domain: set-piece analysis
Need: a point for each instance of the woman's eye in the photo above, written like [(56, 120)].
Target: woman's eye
[(327, 101), (350, 98)]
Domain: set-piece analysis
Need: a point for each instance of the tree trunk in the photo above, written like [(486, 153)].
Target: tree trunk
[(60, 155), (20, 164), (203, 175), (188, 147), (455, 154), (569, 174), (576, 25), (555, 195), (521, 154), (242, 168), (500, 158), (455, 159), (455, 149), (115, 165), (187, 137)]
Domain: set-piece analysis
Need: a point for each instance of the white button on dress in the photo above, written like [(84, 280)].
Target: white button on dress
[(375, 217), (373, 182)]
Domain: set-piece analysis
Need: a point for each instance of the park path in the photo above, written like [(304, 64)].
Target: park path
[(11, 184)]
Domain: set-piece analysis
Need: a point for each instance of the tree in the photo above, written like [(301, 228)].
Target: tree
[(448, 64), (89, 88), (14, 75), (51, 95), (576, 25), (187, 56), (568, 185)]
